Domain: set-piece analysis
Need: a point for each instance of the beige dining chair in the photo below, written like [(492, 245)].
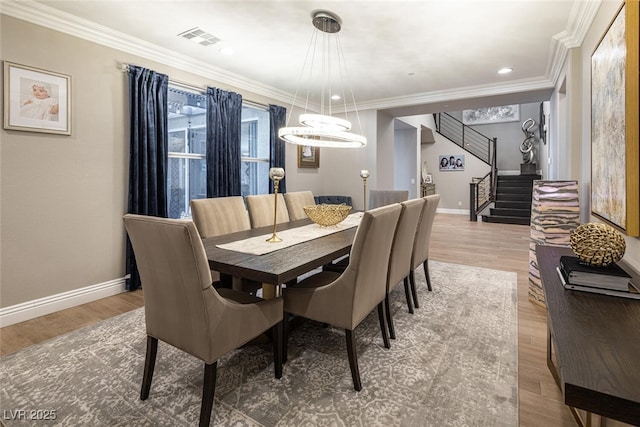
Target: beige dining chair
[(219, 215), (344, 300), (379, 198), (420, 254), (184, 310), (400, 258), (296, 201), (222, 215), (261, 207)]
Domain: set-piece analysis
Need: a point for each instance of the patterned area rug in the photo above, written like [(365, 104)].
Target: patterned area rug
[(454, 363)]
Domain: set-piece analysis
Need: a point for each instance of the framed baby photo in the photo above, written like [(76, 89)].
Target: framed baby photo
[(36, 100)]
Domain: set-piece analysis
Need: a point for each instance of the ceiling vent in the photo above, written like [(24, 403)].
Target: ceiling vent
[(198, 35)]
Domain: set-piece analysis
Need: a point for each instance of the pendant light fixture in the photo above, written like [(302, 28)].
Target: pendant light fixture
[(324, 129)]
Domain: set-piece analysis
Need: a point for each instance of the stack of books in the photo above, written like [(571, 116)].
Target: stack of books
[(610, 280)]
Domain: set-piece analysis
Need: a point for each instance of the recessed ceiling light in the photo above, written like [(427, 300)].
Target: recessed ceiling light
[(227, 50), (505, 70), (335, 97)]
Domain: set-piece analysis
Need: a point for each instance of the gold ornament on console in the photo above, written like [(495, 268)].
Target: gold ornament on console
[(597, 244)]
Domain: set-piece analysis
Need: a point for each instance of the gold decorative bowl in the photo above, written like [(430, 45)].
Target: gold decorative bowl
[(326, 215), (597, 244)]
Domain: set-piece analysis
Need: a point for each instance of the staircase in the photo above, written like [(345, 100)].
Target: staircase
[(513, 200)]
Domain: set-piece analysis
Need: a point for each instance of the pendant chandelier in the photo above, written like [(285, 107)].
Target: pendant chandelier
[(324, 129)]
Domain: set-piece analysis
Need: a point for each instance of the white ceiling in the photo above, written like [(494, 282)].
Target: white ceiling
[(405, 56)]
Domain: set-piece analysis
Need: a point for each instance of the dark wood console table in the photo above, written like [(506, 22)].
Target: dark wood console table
[(593, 345)]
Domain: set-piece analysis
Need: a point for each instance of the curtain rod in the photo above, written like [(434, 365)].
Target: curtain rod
[(125, 69)]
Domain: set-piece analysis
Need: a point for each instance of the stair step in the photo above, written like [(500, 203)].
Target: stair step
[(513, 197), (506, 219), (515, 189), (513, 205), (525, 213), (527, 178)]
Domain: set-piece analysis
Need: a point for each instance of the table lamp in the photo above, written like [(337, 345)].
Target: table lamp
[(364, 174), (276, 174)]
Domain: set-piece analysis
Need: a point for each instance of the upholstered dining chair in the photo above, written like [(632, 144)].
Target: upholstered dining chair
[(296, 201), (185, 311), (400, 258), (220, 215), (379, 198), (344, 300), (420, 254), (260, 209)]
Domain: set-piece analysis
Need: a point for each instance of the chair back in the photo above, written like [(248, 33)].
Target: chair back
[(220, 215), (379, 198), (369, 259), (296, 201), (334, 200), (260, 209), (179, 300), (400, 259), (423, 234)]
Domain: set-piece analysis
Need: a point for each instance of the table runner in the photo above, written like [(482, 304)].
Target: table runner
[(258, 245)]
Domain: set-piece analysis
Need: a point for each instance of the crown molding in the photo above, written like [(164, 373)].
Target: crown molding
[(45, 16)]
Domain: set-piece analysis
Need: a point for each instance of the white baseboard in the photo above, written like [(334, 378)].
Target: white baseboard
[(453, 211), (47, 305)]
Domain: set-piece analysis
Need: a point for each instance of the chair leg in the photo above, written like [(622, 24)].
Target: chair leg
[(285, 336), (277, 348), (387, 309), (412, 280), (407, 294), (383, 325), (425, 265), (208, 390), (353, 360), (149, 365)]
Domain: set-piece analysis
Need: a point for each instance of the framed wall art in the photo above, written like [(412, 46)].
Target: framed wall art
[(480, 116), (615, 153), (36, 100), (308, 156), (451, 162)]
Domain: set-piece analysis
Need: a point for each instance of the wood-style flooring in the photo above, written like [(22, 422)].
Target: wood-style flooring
[(455, 240)]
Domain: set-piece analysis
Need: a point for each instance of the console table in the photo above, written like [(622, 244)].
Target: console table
[(593, 345)]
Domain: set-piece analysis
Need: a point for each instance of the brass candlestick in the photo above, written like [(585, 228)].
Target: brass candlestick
[(364, 174), (276, 174)]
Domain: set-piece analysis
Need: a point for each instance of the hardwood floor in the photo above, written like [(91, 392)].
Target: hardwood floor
[(454, 239)]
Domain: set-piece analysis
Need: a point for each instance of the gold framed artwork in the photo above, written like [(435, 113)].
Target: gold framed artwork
[(308, 156), (615, 99), (36, 100)]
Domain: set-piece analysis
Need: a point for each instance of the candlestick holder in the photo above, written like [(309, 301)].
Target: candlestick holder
[(364, 174), (276, 174)]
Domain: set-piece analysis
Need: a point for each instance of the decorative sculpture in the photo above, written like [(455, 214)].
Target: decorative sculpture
[(528, 166), (597, 244)]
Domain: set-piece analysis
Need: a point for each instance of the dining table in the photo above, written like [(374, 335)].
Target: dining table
[(283, 264)]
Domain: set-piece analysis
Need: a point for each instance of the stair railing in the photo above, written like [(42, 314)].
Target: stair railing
[(482, 191)]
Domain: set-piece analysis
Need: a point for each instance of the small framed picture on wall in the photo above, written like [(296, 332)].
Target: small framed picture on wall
[(308, 156), (451, 162)]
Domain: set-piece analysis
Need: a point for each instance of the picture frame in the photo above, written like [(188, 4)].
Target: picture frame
[(451, 162), (428, 179), (308, 156), (615, 146), (36, 100), (487, 115)]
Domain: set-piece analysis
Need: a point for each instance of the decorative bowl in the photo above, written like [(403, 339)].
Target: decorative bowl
[(597, 244), (326, 215)]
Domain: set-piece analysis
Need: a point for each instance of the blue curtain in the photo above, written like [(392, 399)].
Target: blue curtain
[(277, 147), (224, 116), (147, 152)]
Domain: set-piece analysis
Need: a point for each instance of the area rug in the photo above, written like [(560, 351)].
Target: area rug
[(454, 363)]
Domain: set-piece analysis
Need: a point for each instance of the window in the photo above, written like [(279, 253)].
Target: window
[(187, 166), (254, 148)]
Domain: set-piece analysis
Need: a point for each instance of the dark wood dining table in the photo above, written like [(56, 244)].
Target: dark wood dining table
[(280, 266)]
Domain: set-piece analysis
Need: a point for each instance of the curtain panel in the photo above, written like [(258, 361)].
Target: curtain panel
[(224, 124), (148, 146), (277, 147)]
